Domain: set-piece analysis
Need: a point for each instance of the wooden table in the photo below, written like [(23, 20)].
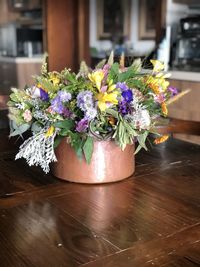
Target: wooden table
[(150, 219)]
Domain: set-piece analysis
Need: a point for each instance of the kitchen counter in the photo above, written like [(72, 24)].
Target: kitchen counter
[(21, 59), (185, 75)]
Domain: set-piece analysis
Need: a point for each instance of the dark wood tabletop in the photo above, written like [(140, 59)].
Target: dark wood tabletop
[(149, 219)]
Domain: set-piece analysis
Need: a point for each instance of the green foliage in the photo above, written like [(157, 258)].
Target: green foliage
[(88, 149), (65, 124), (125, 76), (114, 72), (19, 130), (47, 84)]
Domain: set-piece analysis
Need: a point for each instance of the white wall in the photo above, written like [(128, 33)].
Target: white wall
[(175, 12), (139, 46)]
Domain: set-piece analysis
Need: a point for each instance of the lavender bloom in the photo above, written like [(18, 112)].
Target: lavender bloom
[(91, 114), (84, 99), (64, 96), (172, 90), (44, 95), (127, 95), (82, 125), (56, 105), (122, 86)]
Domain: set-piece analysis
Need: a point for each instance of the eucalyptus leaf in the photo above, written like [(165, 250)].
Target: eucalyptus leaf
[(20, 129)]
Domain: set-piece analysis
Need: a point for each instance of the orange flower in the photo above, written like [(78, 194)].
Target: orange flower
[(164, 109), (161, 139), (155, 88), (111, 120)]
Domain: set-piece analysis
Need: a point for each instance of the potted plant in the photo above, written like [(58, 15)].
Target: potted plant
[(87, 124)]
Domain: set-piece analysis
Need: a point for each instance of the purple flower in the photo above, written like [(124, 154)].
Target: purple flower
[(56, 105), (82, 125), (64, 96), (127, 95), (122, 86), (172, 90), (124, 107), (67, 113), (91, 114), (85, 100), (44, 95)]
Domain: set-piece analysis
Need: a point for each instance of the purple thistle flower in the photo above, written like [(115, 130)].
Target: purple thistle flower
[(44, 95), (82, 125), (56, 105), (122, 86), (64, 96), (127, 95), (91, 114), (172, 90), (85, 101)]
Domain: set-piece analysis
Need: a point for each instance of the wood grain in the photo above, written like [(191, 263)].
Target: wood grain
[(150, 219)]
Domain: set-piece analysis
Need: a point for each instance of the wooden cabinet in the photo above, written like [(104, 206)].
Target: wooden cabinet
[(6, 14), (187, 107)]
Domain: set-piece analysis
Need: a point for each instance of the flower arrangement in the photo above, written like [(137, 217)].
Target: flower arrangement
[(109, 102)]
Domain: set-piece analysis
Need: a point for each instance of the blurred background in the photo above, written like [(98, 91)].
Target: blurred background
[(74, 30)]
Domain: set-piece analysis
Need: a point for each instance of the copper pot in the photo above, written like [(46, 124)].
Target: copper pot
[(108, 164)]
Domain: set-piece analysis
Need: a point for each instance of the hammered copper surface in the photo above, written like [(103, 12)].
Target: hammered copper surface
[(109, 163)]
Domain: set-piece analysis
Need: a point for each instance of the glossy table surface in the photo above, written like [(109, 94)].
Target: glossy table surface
[(149, 219)]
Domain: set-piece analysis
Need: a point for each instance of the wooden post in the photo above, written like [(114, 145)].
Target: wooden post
[(67, 33)]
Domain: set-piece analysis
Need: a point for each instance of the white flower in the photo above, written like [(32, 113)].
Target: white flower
[(35, 92)]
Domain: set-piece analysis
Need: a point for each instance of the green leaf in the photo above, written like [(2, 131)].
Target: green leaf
[(65, 124), (114, 72), (139, 147), (88, 149), (57, 140), (36, 127), (124, 76), (141, 139), (20, 129), (112, 112)]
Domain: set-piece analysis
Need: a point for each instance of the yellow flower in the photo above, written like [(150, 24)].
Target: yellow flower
[(96, 77), (108, 94), (158, 83), (157, 65), (103, 98), (164, 108), (54, 78), (161, 139), (50, 131)]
